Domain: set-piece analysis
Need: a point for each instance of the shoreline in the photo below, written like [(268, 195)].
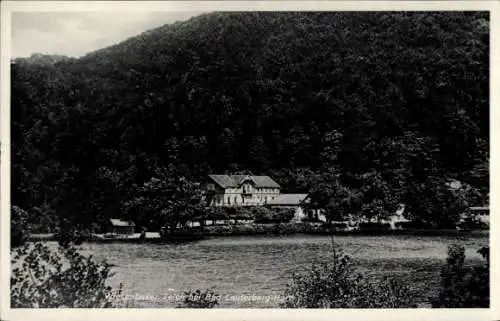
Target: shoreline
[(264, 230)]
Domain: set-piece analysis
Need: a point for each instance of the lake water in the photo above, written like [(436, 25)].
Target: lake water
[(253, 271)]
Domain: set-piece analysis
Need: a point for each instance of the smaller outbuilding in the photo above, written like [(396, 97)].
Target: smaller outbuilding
[(289, 201), (479, 213), (117, 226)]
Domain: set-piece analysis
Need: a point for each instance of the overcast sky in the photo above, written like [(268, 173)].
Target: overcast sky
[(77, 33)]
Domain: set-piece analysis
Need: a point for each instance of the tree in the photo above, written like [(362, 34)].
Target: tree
[(258, 154), (329, 155), (168, 199), (338, 201), (304, 95), (379, 200), (479, 176), (434, 203)]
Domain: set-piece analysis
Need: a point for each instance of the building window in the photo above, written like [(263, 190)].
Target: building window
[(228, 200), (235, 200)]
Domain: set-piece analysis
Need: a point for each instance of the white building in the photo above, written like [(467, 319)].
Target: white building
[(241, 190), (250, 190)]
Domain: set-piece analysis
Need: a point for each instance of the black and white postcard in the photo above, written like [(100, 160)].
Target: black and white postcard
[(248, 160)]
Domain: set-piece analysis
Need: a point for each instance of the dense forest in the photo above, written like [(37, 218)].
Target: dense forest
[(363, 110)]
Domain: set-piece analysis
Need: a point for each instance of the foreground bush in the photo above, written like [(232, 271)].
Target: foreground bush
[(461, 286), (335, 284), (62, 278), (18, 226)]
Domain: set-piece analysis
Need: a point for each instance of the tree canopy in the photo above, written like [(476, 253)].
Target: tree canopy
[(297, 95)]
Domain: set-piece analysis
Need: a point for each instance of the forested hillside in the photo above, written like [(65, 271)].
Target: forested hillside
[(363, 110)]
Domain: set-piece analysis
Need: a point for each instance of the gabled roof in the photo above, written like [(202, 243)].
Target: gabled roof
[(238, 179), (228, 181), (224, 181), (118, 222), (265, 181), (287, 199)]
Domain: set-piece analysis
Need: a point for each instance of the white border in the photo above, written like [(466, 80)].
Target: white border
[(238, 314)]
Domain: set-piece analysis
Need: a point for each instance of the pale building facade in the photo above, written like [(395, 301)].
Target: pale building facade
[(241, 190)]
